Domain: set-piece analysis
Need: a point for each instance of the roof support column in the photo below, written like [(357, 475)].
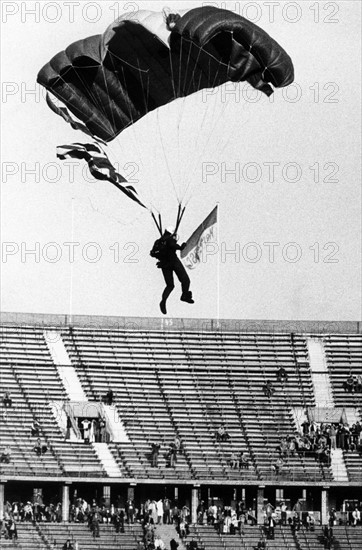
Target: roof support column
[(65, 502), (260, 505)]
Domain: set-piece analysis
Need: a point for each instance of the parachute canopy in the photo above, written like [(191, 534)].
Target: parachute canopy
[(110, 81)]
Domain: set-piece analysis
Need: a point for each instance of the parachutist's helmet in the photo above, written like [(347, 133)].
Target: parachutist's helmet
[(170, 229)]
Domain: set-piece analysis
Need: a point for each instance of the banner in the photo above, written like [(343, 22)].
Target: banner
[(205, 233)]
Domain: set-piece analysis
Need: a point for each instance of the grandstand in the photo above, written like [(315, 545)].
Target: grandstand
[(178, 378)]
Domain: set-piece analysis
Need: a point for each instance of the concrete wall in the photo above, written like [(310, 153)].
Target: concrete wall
[(179, 324)]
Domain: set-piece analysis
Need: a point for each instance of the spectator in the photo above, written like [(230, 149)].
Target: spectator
[(40, 449), (185, 513), (234, 462), (7, 400), (278, 465), (178, 444), (269, 509), (333, 437), (283, 513), (244, 460), (171, 456), (86, 429), (295, 522), (94, 524), (183, 529), (332, 520), (109, 397), (297, 508), (251, 517), (6, 455), (268, 388), (356, 516), (221, 434), (159, 543), (130, 511), (159, 504), (35, 428), (102, 431), (282, 375), (173, 544), (201, 512), (328, 536), (348, 384), (305, 427), (11, 529), (271, 527), (309, 522), (193, 544), (68, 545), (149, 536), (155, 451), (166, 511)]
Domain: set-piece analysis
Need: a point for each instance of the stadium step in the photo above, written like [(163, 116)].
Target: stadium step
[(107, 459), (66, 371), (319, 371), (338, 465)]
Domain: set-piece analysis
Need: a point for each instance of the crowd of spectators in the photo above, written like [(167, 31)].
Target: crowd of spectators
[(274, 515), (225, 519), (318, 440), (153, 513), (33, 511)]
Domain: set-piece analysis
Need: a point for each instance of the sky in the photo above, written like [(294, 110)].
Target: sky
[(284, 171)]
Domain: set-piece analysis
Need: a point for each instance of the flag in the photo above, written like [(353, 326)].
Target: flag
[(206, 232), (99, 164)]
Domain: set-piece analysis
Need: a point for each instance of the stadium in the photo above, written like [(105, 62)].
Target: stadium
[(182, 379)]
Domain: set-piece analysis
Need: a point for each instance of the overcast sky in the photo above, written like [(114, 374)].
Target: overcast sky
[(284, 171)]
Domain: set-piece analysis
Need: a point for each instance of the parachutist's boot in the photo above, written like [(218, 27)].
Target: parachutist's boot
[(163, 307), (187, 297)]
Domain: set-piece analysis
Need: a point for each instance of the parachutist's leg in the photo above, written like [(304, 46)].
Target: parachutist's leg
[(184, 280), (182, 276), (170, 285)]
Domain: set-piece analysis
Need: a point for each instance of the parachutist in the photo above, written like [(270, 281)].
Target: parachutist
[(165, 251)]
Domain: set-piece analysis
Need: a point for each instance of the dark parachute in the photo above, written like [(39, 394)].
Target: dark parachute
[(110, 81)]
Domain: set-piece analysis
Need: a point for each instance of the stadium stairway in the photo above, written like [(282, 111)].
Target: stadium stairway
[(167, 533), (343, 353), (107, 459), (338, 465)]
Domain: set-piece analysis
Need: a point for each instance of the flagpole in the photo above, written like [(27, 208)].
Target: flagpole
[(71, 259), (218, 265)]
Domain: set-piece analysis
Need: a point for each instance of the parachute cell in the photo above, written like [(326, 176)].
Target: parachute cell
[(110, 81)]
